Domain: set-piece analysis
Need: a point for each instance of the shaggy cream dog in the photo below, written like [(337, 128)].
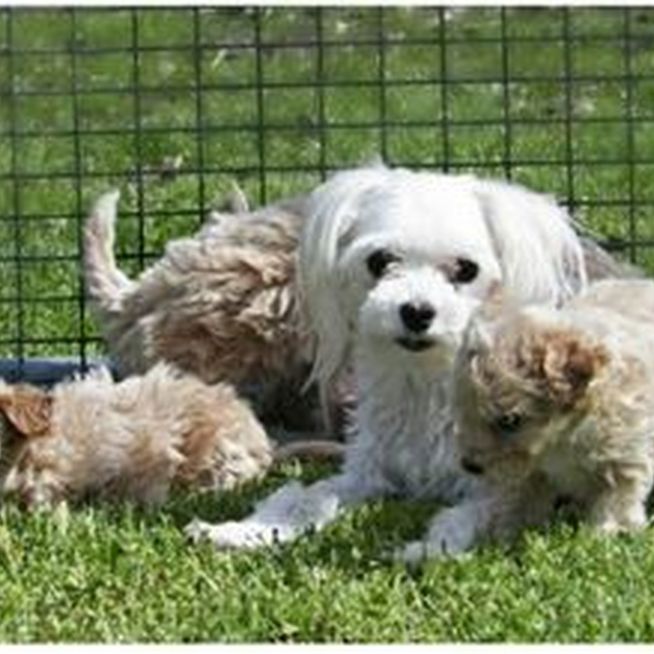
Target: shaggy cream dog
[(554, 403), (222, 305), (130, 440), (392, 265)]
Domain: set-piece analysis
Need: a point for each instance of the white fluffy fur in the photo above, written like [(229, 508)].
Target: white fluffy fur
[(518, 236), (402, 438)]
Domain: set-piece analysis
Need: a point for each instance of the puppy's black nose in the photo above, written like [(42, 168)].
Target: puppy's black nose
[(417, 317), (471, 467)]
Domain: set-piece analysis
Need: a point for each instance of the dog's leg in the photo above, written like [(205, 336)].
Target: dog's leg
[(453, 531), (286, 514), (497, 514), (621, 506)]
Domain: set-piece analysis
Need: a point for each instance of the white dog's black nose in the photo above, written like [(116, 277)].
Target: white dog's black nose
[(417, 317)]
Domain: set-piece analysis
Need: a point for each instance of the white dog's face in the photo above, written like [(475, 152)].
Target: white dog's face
[(411, 284), (395, 261)]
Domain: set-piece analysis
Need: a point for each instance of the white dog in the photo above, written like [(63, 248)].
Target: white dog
[(392, 264)]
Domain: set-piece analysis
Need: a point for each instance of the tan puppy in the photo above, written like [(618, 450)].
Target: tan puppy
[(554, 404), (129, 440)]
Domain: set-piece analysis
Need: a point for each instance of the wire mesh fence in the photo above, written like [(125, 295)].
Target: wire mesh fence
[(172, 105)]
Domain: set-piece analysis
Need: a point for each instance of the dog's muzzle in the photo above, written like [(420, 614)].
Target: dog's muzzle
[(417, 317), (415, 344)]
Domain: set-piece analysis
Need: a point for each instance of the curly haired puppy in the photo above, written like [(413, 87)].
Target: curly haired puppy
[(550, 404), (129, 440)]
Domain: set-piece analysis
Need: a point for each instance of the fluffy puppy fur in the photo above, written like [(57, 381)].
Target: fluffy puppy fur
[(555, 403), (392, 265), (134, 439), (222, 304), (129, 440)]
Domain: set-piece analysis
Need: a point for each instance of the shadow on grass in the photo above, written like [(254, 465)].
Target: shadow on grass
[(358, 542)]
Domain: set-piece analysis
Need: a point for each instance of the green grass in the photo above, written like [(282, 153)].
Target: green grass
[(120, 575)]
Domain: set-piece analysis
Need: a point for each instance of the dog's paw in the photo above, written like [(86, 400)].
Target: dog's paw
[(453, 533), (612, 527), (412, 554), (231, 535), (631, 519), (419, 551), (197, 530)]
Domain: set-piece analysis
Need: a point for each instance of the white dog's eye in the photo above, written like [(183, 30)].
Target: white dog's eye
[(465, 271), (378, 262)]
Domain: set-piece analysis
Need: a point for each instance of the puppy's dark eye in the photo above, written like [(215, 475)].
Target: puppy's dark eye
[(508, 423), (378, 262), (465, 271)]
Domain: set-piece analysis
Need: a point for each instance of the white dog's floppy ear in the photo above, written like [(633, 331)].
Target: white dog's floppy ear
[(332, 211), (539, 253)]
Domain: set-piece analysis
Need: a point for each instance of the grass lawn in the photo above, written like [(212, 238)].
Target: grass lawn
[(560, 118)]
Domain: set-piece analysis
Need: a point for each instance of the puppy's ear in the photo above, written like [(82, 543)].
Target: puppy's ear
[(28, 410), (569, 363), (540, 255)]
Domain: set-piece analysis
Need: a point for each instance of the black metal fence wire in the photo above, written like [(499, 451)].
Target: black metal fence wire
[(171, 105)]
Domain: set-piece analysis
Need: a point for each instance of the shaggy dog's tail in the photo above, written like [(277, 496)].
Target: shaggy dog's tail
[(106, 285)]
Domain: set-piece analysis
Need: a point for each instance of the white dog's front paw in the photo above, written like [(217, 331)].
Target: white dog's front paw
[(231, 535), (197, 530), (413, 553), (450, 539), (610, 526), (418, 551), (452, 533)]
